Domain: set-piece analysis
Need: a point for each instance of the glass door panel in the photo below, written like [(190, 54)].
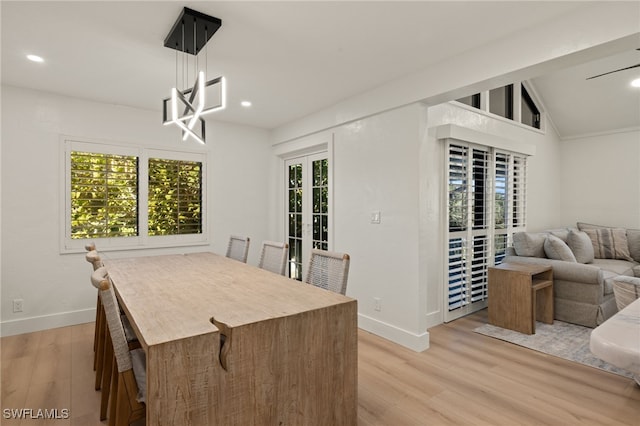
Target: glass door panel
[(307, 219)]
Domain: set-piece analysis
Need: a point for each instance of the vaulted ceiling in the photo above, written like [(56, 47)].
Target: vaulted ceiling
[(291, 59)]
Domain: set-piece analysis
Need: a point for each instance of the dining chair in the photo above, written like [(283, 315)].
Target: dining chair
[(93, 258), (274, 256), (238, 248), (128, 376), (328, 270)]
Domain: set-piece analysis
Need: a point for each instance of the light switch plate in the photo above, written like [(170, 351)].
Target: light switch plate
[(375, 217)]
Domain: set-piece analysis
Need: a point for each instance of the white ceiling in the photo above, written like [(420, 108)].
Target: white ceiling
[(579, 106), (289, 58)]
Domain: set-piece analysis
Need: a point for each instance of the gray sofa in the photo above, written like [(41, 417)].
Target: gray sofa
[(585, 261)]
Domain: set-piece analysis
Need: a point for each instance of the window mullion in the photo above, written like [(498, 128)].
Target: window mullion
[(143, 196)]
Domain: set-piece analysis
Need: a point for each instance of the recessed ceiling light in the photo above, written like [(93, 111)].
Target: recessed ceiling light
[(636, 82), (245, 104), (35, 58)]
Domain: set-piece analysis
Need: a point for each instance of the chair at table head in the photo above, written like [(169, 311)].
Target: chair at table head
[(128, 392), (328, 270), (238, 248), (94, 259), (274, 257)]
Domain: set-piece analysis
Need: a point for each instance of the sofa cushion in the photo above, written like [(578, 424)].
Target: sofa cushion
[(636, 271), (557, 249), (618, 267), (609, 243), (529, 244), (580, 244)]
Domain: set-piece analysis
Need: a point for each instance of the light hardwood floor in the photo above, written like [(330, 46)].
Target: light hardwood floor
[(464, 378)]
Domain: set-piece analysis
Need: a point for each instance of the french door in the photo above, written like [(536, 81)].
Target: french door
[(307, 211)]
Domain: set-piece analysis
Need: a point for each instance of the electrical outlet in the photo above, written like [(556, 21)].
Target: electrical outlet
[(377, 304), (17, 305)]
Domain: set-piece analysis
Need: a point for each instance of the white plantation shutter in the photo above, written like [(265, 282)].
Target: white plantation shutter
[(518, 192), (486, 204), (458, 280), (458, 191)]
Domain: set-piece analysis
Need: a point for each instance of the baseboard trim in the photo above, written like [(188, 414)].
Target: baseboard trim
[(415, 342), (45, 322)]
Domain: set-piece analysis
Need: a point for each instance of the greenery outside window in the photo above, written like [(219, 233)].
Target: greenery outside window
[(175, 197), (132, 197), (104, 195)]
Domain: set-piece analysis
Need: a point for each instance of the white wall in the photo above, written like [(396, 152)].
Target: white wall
[(543, 168), (55, 287), (600, 180), (391, 162), (377, 168)]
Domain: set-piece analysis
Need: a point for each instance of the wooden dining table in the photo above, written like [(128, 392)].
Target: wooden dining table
[(230, 344)]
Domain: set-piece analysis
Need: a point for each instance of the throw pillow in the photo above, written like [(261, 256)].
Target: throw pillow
[(563, 234), (609, 243), (529, 244), (557, 249), (583, 226), (580, 244), (633, 238)]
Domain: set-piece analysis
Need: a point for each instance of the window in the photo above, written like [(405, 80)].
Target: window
[(501, 101), (104, 195), (530, 115), (486, 193), (175, 197), (127, 197), (506, 102), (473, 100)]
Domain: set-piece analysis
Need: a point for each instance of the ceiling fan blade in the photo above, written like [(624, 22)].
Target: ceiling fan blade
[(611, 72)]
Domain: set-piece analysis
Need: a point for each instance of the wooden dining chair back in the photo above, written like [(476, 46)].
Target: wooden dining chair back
[(328, 270), (93, 258), (274, 257), (128, 379), (238, 248)]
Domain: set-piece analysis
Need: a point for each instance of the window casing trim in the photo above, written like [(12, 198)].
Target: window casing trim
[(466, 135), (143, 240)]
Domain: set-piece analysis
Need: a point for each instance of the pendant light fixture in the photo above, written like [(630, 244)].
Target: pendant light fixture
[(186, 106)]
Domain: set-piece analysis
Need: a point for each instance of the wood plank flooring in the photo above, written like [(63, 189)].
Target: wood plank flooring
[(464, 378)]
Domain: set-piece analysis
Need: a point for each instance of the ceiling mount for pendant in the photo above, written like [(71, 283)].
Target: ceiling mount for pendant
[(182, 36)]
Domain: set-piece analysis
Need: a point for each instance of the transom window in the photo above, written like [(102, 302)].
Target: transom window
[(132, 197), (507, 102)]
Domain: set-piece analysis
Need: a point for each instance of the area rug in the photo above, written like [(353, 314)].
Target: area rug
[(561, 339)]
